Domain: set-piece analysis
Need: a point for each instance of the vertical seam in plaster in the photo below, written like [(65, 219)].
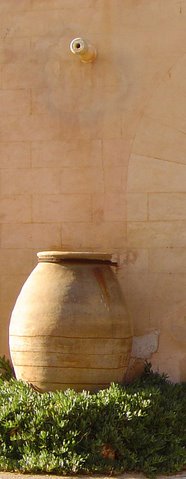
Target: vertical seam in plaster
[(61, 235), (103, 167), (148, 212), (31, 197), (92, 212), (31, 102), (30, 145)]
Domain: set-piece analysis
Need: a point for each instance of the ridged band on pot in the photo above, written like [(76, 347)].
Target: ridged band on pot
[(70, 326)]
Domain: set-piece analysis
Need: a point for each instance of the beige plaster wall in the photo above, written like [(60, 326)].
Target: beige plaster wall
[(93, 156)]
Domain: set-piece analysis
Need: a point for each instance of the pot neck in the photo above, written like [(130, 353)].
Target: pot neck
[(76, 257)]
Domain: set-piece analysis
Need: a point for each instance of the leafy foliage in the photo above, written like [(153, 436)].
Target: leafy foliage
[(6, 369), (140, 427)]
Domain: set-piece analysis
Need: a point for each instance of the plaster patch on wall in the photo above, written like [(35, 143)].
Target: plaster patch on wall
[(144, 346)]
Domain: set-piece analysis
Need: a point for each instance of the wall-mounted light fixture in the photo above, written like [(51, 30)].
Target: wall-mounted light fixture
[(86, 52)]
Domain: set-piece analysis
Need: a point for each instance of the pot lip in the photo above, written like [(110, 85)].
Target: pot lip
[(84, 256)]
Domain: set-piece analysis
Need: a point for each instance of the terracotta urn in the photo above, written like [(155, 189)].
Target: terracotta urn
[(70, 327)]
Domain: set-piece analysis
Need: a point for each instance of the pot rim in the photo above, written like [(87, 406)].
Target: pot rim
[(84, 256)]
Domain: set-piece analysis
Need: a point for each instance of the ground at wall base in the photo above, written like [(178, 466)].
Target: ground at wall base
[(12, 475)]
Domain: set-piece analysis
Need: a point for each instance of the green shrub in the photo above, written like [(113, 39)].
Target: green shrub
[(140, 427), (6, 369)]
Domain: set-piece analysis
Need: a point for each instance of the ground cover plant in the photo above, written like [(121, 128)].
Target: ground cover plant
[(140, 427)]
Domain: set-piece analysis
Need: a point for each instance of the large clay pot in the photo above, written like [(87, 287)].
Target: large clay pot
[(70, 327)]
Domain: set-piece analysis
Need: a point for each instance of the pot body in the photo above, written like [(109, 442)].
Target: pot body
[(70, 327)]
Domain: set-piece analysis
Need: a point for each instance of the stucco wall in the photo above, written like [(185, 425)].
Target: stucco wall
[(93, 156)]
